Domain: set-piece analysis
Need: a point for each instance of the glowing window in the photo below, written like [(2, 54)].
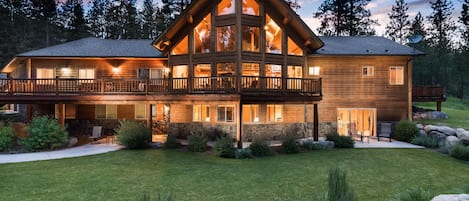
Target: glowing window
[(293, 48), (273, 70), (202, 36), (201, 113), (250, 7), (314, 71), (225, 113), (274, 113), (140, 111), (226, 7), (181, 48), (202, 70), (224, 69), (251, 38), (368, 71), (250, 69), (226, 38), (45, 76), (106, 111), (396, 75), (251, 113), (273, 36)]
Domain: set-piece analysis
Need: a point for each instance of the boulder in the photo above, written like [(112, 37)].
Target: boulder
[(446, 130), (439, 115), (451, 141), (420, 126), (460, 131), (72, 142), (429, 128), (454, 197), (440, 137), (423, 133), (464, 137)]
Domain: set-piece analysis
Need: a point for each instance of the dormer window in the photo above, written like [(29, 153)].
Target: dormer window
[(226, 7), (251, 38), (226, 39), (273, 36), (250, 7), (202, 35), (181, 48)]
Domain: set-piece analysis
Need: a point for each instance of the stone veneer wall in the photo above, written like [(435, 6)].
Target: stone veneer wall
[(182, 130)]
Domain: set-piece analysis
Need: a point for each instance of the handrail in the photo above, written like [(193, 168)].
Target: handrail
[(195, 85)]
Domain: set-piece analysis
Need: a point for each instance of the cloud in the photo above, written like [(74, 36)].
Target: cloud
[(419, 3)]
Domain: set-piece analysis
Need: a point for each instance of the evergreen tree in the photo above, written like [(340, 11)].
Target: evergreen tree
[(132, 25), (173, 8), (294, 4), (148, 19), (422, 74), (71, 20), (464, 20), (96, 18), (398, 27), (121, 20), (345, 17), (43, 19)]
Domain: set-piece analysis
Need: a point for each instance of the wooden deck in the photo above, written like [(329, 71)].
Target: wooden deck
[(429, 94)]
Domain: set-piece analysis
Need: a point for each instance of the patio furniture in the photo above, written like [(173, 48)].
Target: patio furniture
[(96, 134), (385, 131)]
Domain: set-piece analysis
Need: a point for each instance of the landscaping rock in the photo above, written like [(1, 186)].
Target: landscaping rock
[(440, 137), (460, 131), (420, 126), (423, 133), (326, 144), (439, 115), (446, 130), (72, 142), (429, 128), (451, 141), (464, 137), (454, 197)]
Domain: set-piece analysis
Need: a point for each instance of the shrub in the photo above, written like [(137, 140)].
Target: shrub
[(133, 135), (225, 148), (244, 154), (460, 152), (171, 142), (290, 145), (338, 188), (6, 136), (215, 133), (425, 141), (197, 142), (406, 131), (260, 148), (309, 145), (415, 194), (340, 141), (45, 133)]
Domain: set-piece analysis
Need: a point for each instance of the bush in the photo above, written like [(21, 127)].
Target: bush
[(260, 148), (215, 133), (338, 188), (460, 152), (197, 142), (171, 142), (290, 145), (340, 141), (309, 145), (45, 133), (225, 148), (406, 131), (133, 135), (425, 141), (244, 154), (415, 194), (6, 136)]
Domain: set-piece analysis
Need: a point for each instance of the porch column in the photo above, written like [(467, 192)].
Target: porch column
[(28, 113), (316, 123), (239, 126), (60, 113), (149, 115)]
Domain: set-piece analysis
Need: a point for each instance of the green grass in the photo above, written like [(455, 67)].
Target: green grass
[(374, 174), (457, 111)]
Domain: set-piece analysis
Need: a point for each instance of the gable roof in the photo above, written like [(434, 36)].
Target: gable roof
[(166, 39), (364, 45), (95, 47)]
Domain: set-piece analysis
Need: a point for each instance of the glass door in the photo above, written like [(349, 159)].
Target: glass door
[(356, 121)]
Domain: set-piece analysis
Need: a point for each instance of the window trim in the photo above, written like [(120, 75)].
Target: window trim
[(199, 115), (369, 69), (144, 111), (275, 111), (394, 82), (226, 114)]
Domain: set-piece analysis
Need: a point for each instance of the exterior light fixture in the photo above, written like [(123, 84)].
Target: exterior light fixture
[(116, 70)]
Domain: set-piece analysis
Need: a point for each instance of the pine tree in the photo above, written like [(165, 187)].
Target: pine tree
[(422, 75), (173, 8), (464, 20), (345, 17), (96, 18), (43, 18), (147, 15), (398, 27), (132, 25), (71, 20), (294, 4)]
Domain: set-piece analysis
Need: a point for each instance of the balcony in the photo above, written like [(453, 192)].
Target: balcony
[(244, 86), (429, 94)]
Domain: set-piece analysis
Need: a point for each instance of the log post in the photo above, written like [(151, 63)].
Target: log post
[(316, 123), (239, 128)]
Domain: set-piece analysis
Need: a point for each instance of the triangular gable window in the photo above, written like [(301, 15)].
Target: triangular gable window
[(273, 36), (293, 48), (202, 35), (182, 47), (226, 7), (250, 7)]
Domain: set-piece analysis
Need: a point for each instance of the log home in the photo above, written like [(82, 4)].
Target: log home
[(251, 68)]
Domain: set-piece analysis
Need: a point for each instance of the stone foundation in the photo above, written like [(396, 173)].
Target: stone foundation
[(182, 130), (276, 131), (326, 128)]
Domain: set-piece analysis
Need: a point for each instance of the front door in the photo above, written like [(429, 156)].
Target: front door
[(356, 121)]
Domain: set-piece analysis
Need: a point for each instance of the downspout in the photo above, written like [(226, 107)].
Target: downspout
[(409, 88)]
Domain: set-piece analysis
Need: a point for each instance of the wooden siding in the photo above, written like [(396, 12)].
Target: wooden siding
[(345, 87), (181, 113), (126, 112)]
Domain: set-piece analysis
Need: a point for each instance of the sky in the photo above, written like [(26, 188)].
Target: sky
[(379, 10)]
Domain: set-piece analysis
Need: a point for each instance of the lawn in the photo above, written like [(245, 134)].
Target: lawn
[(375, 174), (457, 110)]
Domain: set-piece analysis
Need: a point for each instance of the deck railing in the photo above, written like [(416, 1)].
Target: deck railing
[(428, 92), (222, 84)]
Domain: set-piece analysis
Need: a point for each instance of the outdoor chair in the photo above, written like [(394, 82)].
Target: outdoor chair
[(96, 134), (385, 131)]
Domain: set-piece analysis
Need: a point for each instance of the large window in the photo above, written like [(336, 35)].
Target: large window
[(251, 38), (45, 73), (226, 38), (274, 113), (226, 7), (273, 72), (150, 73), (180, 73), (250, 7), (201, 113), (295, 72), (273, 36), (225, 113), (226, 69), (293, 48), (251, 113), (86, 73), (182, 47), (202, 36), (140, 111), (202, 74), (396, 75), (106, 111)]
